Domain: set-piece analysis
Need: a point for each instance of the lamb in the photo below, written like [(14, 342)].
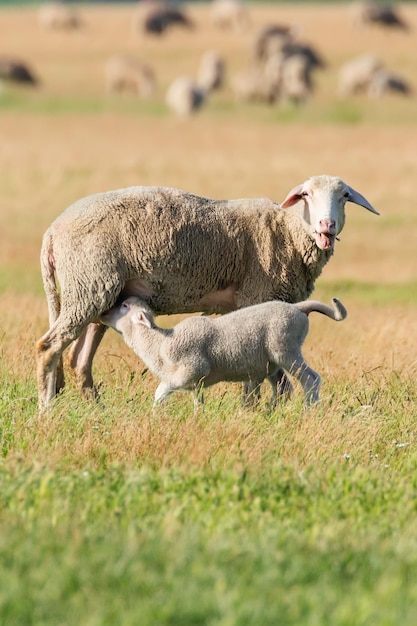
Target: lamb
[(246, 345), (182, 253)]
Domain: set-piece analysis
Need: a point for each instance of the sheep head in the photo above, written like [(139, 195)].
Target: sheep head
[(131, 311), (324, 200)]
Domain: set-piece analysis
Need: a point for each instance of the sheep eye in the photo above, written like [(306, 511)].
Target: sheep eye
[(346, 194), (304, 194)]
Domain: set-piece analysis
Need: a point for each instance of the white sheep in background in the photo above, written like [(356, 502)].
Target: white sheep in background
[(182, 253), (126, 73), (247, 345), (367, 74), (229, 14), (210, 74), (355, 75), (59, 15), (185, 97)]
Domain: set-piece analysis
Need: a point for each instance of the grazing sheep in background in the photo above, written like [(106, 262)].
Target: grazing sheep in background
[(284, 68), (125, 73), (59, 15), (355, 75), (210, 75), (312, 58), (229, 14), (271, 39), (184, 97), (182, 253), (16, 71), (383, 82), (377, 13), (289, 78), (255, 84), (367, 74), (154, 17), (247, 345)]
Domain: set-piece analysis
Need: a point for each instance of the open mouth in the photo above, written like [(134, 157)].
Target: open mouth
[(325, 241)]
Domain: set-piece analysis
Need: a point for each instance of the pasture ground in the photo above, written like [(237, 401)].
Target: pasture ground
[(114, 514)]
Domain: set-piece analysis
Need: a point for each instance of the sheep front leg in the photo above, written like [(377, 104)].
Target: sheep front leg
[(251, 393), (81, 358), (162, 392)]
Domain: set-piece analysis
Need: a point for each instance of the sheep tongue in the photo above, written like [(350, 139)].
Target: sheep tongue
[(324, 241)]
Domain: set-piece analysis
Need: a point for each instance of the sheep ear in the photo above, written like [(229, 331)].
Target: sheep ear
[(141, 318), (293, 196), (358, 198)]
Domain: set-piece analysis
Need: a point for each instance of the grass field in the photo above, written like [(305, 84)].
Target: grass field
[(114, 514)]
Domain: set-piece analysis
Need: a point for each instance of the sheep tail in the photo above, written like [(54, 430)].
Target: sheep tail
[(338, 313), (48, 278)]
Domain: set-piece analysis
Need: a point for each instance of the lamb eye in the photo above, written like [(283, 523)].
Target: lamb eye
[(346, 194), (304, 194)]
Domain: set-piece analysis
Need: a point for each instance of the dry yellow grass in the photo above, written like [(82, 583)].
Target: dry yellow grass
[(48, 160)]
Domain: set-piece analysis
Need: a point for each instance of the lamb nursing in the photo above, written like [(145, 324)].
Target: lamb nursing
[(181, 253), (248, 345)]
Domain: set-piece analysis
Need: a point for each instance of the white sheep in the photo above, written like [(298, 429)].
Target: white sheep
[(56, 14), (210, 74), (126, 73), (182, 253), (247, 345), (184, 96), (355, 76), (229, 14)]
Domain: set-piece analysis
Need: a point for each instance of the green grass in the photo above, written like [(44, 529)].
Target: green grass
[(318, 531), (143, 547)]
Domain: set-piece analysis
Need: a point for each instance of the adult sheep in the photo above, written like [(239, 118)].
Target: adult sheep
[(181, 253)]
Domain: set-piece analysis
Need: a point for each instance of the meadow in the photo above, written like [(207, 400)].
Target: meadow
[(117, 514)]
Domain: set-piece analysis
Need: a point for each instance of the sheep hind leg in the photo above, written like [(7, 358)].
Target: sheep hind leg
[(281, 386), (81, 359), (49, 351), (310, 381)]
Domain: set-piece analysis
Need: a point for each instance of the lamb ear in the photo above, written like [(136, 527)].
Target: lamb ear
[(141, 318), (293, 196), (358, 198)]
